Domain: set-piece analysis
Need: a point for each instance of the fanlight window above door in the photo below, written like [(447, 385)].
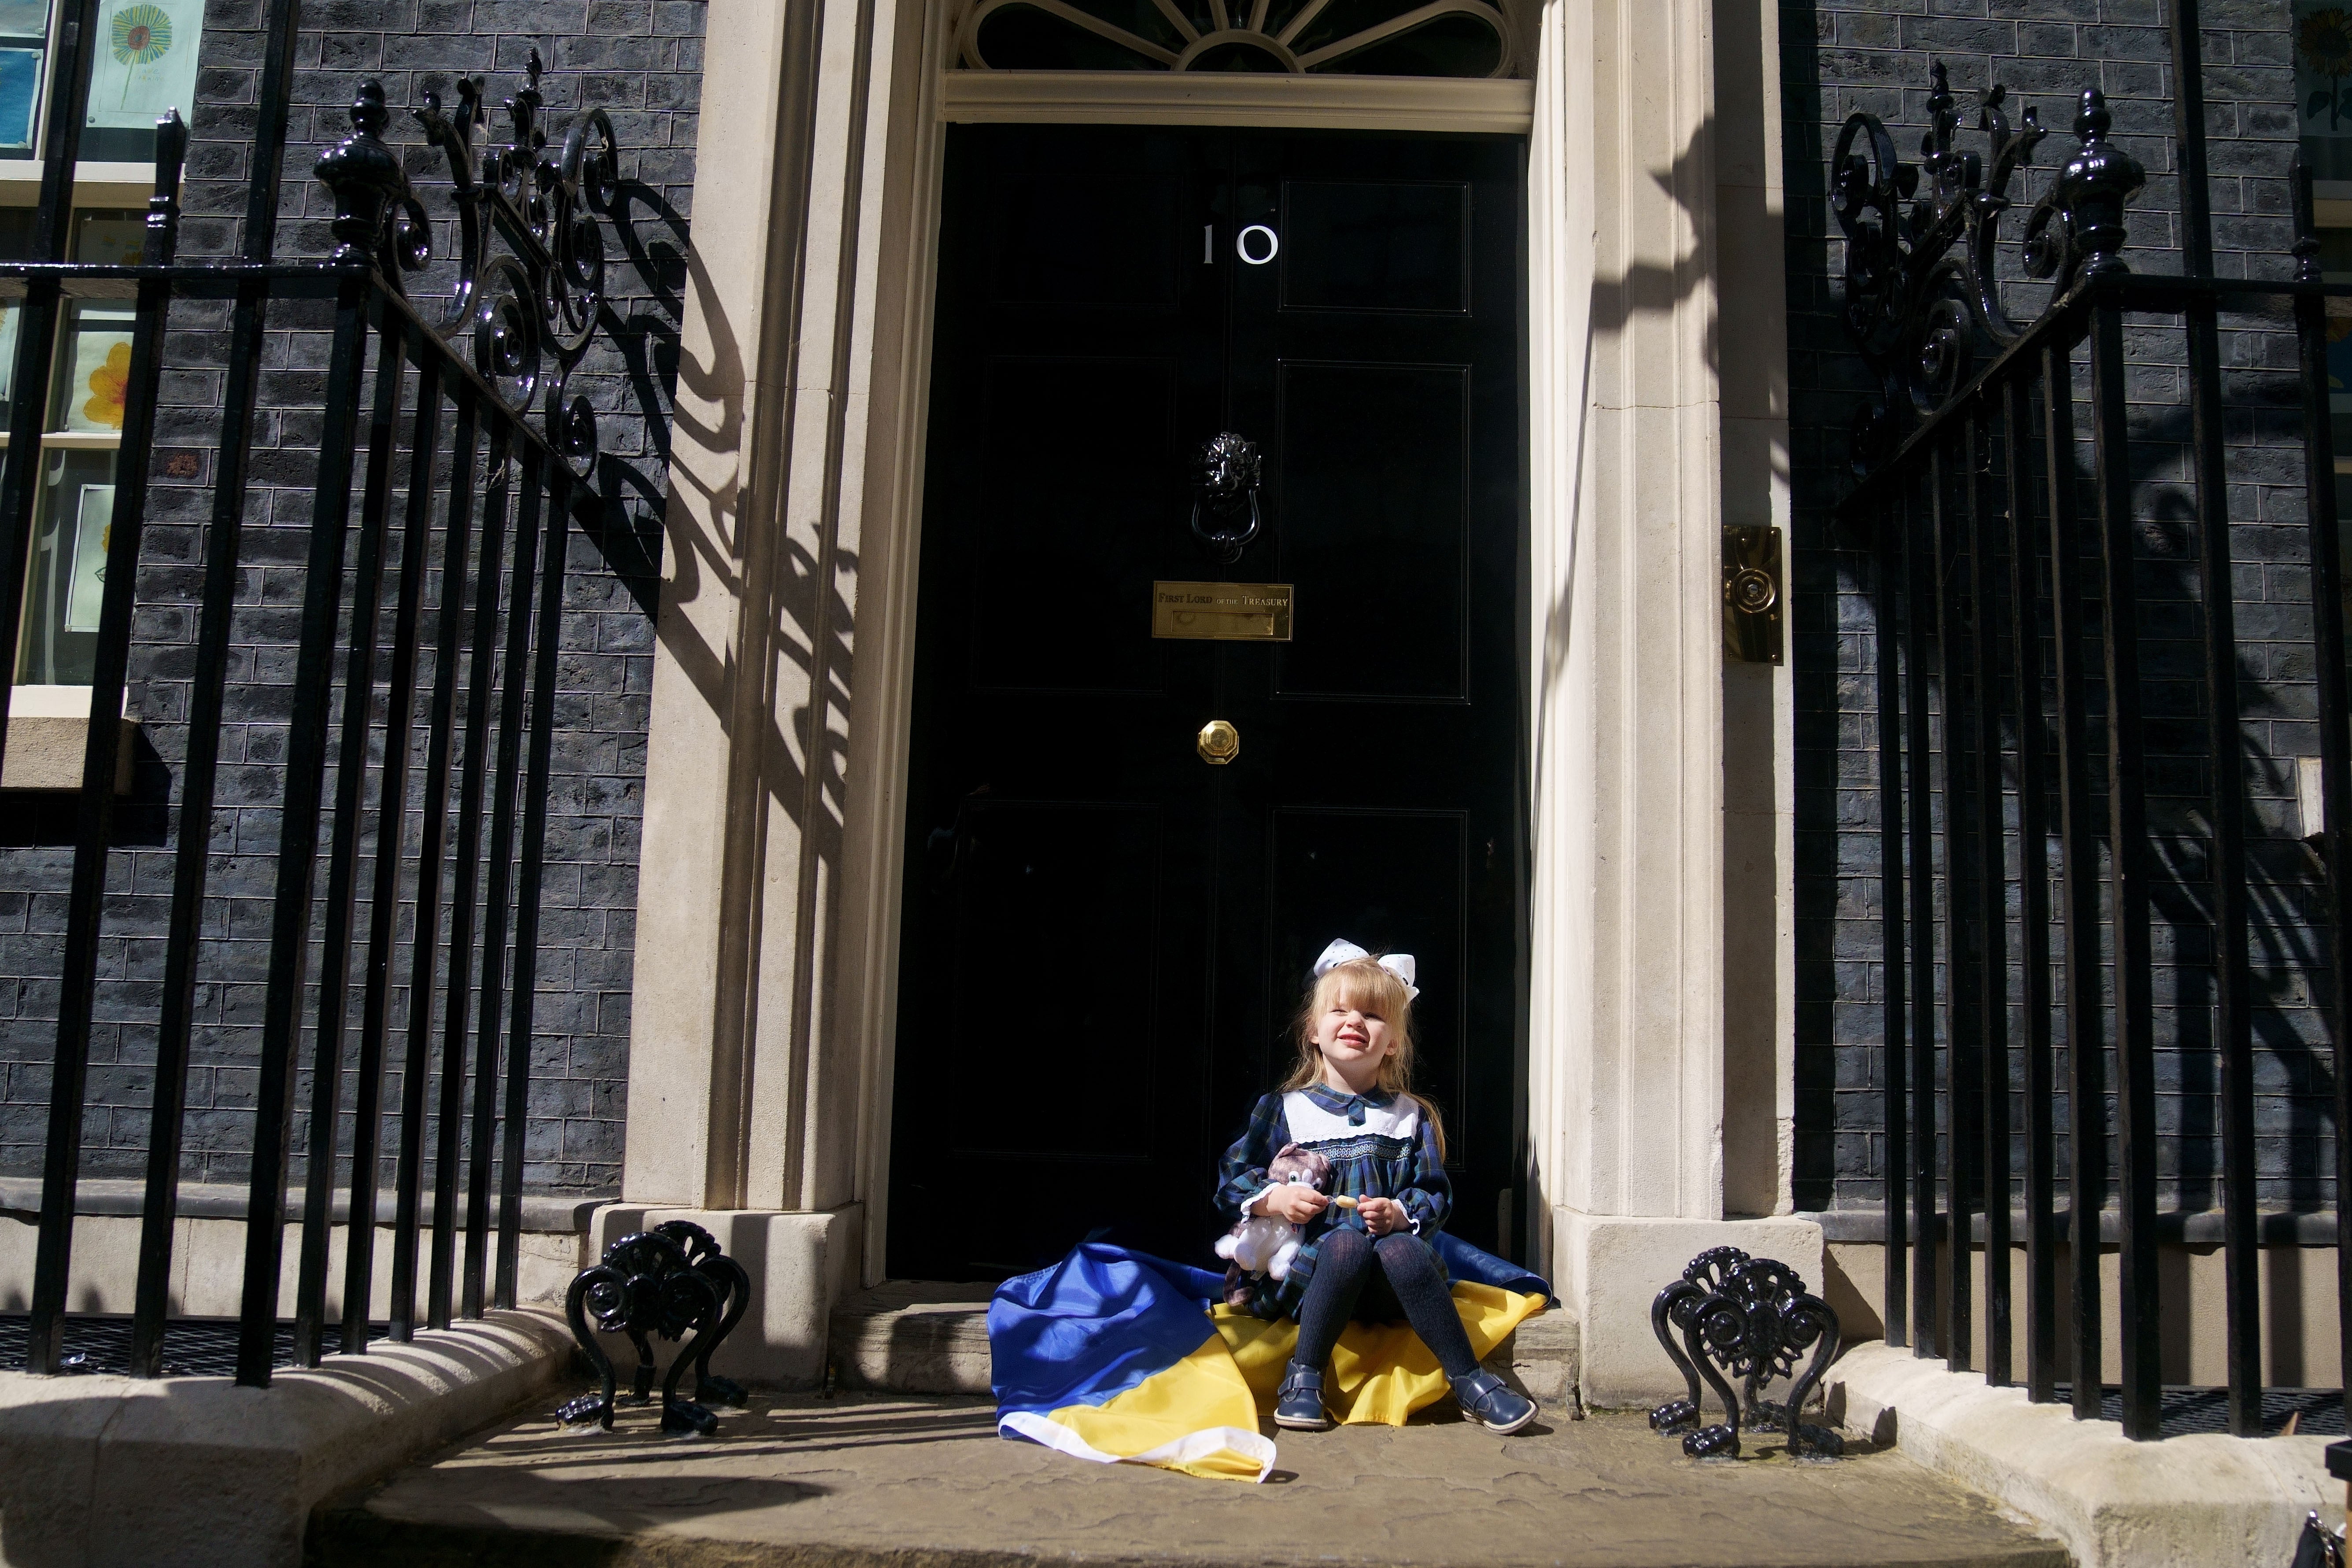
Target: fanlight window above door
[(1349, 38)]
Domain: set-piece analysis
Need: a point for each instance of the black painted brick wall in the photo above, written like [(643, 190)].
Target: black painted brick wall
[(1841, 56), (641, 60)]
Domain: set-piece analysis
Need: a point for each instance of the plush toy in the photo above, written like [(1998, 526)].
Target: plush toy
[(1261, 1243)]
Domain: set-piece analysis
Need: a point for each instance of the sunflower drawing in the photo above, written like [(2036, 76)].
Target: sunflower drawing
[(2323, 38), (143, 35), (109, 385)]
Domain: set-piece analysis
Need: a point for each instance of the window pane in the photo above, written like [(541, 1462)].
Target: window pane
[(15, 244), (93, 369), (24, 54), (74, 505), (2323, 86), (76, 509), (145, 62), (2336, 259), (93, 363), (111, 238), (107, 235)]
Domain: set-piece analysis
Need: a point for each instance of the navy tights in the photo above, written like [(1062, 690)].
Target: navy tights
[(1409, 1283)]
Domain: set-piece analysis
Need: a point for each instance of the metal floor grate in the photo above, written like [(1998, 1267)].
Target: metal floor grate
[(2188, 1410), (193, 1347)]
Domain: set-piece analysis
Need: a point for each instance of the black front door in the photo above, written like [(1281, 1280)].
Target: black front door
[(1106, 935)]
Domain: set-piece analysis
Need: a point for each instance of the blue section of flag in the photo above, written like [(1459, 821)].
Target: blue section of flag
[(1105, 1319), (1464, 1261), (1093, 1326)]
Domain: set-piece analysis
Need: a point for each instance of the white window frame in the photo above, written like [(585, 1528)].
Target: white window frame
[(98, 185)]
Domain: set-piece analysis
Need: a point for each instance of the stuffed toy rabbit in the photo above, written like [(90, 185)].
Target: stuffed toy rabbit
[(1262, 1244)]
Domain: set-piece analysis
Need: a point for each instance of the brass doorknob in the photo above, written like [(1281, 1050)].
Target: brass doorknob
[(1218, 742)]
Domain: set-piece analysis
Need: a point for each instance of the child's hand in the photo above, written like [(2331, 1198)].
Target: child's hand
[(1383, 1216), (1294, 1203)]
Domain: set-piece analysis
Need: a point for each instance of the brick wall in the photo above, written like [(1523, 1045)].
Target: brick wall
[(1839, 56), (641, 60)]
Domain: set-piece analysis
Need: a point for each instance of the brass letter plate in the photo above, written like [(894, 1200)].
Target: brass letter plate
[(1228, 612)]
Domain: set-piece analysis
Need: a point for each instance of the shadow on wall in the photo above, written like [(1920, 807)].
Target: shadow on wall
[(628, 529), (757, 617), (1613, 302)]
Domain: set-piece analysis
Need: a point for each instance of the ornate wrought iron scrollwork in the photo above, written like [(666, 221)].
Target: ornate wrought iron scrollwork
[(529, 288), (1224, 485), (672, 1281), (1746, 1318), (1922, 290)]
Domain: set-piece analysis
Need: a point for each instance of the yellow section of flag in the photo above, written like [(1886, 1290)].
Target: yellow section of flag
[(1379, 1374)]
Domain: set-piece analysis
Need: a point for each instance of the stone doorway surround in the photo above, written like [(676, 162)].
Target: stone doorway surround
[(1660, 1023)]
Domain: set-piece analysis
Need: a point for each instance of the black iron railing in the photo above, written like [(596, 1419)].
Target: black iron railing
[(498, 458), (1969, 467)]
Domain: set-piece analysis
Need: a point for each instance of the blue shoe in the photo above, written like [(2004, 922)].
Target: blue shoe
[(1299, 1406), (1488, 1400)]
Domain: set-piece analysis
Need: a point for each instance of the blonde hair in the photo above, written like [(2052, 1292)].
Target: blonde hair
[(1361, 983)]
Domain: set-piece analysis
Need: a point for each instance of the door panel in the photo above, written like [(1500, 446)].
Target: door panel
[(1063, 543), (1375, 245), (1389, 880), (1035, 941), (1123, 249), (1105, 938), (1372, 477)]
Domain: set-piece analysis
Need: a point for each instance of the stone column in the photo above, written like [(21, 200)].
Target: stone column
[(750, 1087), (1627, 1067)]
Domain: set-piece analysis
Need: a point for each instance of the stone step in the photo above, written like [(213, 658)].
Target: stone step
[(912, 1337), (917, 1336)]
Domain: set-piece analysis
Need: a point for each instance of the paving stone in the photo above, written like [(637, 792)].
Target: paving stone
[(876, 1479)]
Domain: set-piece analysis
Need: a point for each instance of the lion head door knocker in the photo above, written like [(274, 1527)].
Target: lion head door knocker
[(1224, 485)]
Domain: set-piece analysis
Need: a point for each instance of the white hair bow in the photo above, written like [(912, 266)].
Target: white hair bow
[(1342, 951)]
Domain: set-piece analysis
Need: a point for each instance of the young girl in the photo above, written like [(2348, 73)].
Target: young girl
[(1349, 1100)]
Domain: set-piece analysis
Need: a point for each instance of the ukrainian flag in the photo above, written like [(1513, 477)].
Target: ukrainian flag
[(1123, 1358)]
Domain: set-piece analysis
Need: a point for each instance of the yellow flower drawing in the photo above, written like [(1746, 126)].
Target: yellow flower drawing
[(109, 384)]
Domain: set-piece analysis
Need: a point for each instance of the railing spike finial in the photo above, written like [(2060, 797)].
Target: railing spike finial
[(1943, 110), (2092, 121), (378, 219), (2094, 187), (524, 110), (369, 116)]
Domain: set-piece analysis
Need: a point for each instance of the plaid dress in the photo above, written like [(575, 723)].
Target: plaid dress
[(1380, 1145)]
